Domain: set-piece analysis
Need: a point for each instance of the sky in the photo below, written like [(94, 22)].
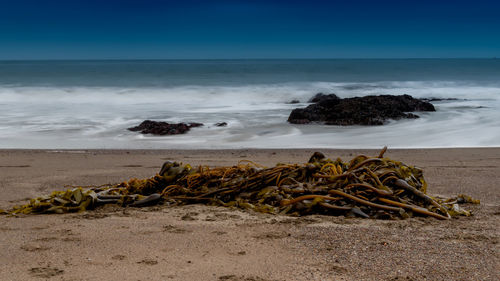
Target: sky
[(248, 29)]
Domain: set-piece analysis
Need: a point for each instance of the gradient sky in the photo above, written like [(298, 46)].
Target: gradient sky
[(149, 29)]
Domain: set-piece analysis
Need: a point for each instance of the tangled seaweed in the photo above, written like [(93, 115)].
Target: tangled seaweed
[(368, 187)]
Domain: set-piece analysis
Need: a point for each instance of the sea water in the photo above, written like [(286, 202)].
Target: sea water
[(90, 104)]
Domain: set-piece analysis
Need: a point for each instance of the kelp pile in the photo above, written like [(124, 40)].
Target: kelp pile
[(368, 187)]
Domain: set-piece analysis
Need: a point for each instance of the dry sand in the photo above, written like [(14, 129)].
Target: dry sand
[(214, 243)]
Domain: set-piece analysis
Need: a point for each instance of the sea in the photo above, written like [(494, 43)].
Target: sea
[(90, 104)]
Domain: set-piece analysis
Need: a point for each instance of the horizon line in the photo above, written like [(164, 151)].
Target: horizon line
[(229, 59)]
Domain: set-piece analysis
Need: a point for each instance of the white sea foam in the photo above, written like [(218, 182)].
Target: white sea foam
[(97, 117)]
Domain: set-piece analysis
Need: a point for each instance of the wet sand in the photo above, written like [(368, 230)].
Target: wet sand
[(198, 242)]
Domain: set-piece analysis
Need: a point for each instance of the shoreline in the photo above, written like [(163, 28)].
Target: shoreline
[(198, 242)]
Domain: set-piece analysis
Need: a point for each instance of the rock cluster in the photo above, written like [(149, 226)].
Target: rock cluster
[(163, 128), (368, 110)]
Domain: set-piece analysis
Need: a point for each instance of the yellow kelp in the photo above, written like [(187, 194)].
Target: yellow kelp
[(369, 187)]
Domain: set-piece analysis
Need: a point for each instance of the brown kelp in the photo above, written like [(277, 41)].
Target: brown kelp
[(368, 187)]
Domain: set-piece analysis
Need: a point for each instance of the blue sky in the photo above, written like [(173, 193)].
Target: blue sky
[(149, 29)]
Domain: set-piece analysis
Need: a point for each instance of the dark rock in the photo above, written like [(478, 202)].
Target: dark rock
[(221, 124), (164, 128), (293, 102), (194, 124), (440, 99), (369, 110), (319, 97)]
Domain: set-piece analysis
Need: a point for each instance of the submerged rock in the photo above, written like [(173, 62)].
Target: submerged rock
[(440, 99), (368, 110), (221, 124), (163, 128)]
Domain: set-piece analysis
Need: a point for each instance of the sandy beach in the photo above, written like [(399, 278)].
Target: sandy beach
[(197, 242)]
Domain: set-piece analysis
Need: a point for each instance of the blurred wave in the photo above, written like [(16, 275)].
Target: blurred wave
[(97, 117)]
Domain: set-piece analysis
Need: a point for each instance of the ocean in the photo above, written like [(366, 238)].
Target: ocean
[(90, 104)]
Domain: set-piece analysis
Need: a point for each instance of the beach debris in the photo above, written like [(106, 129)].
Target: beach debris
[(366, 187), (163, 128), (368, 110), (221, 124)]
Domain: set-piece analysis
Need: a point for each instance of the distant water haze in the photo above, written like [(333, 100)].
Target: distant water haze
[(90, 104)]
